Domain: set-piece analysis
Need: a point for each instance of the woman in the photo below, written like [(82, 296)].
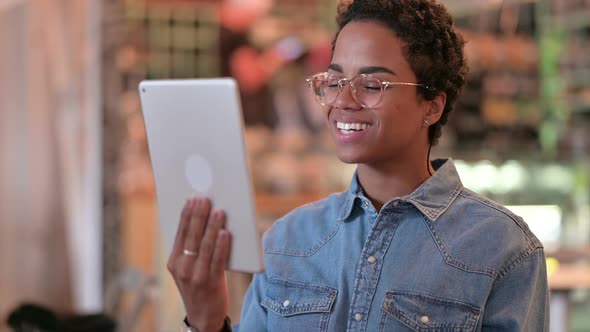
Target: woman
[(407, 247)]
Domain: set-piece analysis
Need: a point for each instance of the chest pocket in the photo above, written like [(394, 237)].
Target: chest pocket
[(410, 311), (298, 306)]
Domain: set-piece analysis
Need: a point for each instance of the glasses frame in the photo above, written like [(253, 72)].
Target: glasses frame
[(342, 82)]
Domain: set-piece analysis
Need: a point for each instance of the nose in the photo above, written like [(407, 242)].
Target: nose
[(345, 98)]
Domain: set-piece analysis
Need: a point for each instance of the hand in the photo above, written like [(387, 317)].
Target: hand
[(197, 263)]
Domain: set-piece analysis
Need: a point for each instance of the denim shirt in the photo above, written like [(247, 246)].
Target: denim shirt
[(439, 259)]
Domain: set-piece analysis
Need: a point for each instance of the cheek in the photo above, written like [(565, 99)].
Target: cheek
[(400, 118), (326, 111), (408, 111)]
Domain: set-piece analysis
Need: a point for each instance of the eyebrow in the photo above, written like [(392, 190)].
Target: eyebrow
[(335, 67), (364, 70), (376, 69)]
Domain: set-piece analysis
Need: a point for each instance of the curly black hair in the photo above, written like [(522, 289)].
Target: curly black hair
[(433, 48)]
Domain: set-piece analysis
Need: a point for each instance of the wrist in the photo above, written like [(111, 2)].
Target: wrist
[(187, 327)]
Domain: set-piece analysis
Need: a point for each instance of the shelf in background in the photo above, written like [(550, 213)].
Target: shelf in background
[(569, 277), (578, 78), (570, 21)]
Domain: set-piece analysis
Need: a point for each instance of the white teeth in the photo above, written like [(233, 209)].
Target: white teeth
[(352, 126)]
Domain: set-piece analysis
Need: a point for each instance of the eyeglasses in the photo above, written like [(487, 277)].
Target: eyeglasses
[(367, 90)]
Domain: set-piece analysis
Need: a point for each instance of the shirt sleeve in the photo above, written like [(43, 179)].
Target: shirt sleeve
[(253, 317), (520, 300)]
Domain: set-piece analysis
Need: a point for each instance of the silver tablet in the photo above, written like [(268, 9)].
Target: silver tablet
[(195, 138)]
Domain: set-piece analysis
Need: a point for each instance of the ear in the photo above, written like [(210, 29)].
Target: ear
[(435, 108)]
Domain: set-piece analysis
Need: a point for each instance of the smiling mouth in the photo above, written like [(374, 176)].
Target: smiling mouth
[(351, 127)]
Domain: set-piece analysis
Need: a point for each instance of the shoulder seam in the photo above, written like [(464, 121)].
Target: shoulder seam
[(532, 241), (515, 264)]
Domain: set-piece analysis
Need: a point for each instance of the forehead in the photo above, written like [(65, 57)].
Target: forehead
[(367, 43)]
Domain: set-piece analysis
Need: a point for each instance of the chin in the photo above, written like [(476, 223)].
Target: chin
[(348, 161), (350, 158)]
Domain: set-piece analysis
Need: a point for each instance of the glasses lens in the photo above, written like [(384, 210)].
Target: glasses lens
[(325, 88), (367, 90)]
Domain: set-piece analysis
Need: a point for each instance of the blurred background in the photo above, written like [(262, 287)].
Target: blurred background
[(78, 220)]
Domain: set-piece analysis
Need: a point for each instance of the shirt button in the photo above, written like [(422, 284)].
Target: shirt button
[(372, 259), (358, 317), (396, 203), (424, 319), (286, 303)]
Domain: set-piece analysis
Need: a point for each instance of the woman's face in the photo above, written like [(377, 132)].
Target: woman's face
[(395, 127)]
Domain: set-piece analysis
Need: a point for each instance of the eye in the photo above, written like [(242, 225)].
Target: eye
[(369, 84), (333, 84), (372, 87)]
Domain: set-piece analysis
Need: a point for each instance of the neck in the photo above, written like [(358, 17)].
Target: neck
[(383, 182)]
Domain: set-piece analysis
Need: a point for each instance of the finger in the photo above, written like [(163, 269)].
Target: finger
[(198, 223), (221, 253), (182, 230), (216, 224)]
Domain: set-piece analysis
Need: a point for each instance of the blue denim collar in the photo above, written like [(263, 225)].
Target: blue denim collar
[(432, 197)]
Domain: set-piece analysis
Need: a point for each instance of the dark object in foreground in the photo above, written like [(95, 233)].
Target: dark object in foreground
[(35, 318)]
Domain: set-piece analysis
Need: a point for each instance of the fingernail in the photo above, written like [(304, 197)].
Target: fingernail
[(219, 217)]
